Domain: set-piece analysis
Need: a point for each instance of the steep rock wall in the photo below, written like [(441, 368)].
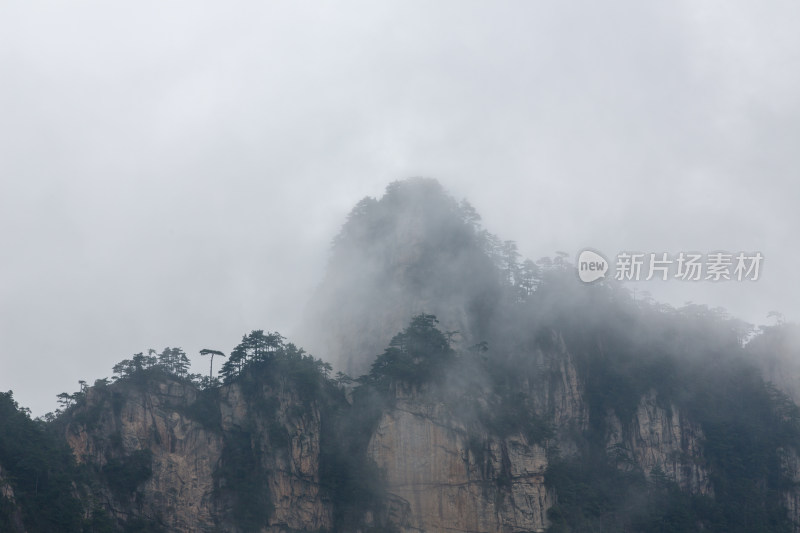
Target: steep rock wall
[(449, 480), (120, 420), (182, 492), (8, 500), (664, 438)]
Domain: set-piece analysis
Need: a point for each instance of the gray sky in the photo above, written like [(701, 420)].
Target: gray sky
[(171, 174)]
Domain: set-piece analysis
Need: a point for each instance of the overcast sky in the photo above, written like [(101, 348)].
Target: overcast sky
[(172, 173)]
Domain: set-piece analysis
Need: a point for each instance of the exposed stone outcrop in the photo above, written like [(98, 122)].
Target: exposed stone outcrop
[(448, 484), (791, 462), (120, 419), (291, 465), (558, 392), (443, 472), (449, 480), (661, 438), (6, 491), (8, 498)]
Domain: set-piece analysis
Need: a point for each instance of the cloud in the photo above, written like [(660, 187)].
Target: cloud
[(173, 174)]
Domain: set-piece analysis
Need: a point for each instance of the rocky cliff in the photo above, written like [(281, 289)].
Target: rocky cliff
[(661, 439), (442, 471), (196, 449), (118, 421), (10, 509), (447, 478)]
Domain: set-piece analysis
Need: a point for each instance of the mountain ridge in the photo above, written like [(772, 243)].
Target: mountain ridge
[(491, 394)]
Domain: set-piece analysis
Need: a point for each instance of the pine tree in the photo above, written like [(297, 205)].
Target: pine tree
[(212, 353)]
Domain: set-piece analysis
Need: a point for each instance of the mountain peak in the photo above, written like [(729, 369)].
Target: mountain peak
[(414, 250)]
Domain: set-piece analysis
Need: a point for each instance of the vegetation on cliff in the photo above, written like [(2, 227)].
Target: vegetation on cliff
[(39, 467)]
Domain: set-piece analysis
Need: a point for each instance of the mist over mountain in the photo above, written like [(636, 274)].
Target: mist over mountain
[(459, 388), (415, 250)]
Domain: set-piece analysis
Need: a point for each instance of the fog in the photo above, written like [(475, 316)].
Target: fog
[(173, 175)]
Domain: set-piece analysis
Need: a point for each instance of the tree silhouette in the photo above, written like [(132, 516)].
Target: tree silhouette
[(419, 353), (212, 353)]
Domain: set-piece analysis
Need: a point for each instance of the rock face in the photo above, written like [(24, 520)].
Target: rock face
[(186, 490), (448, 480), (442, 472), (792, 496), (7, 498), (662, 438), (122, 420), (289, 444), (445, 478)]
